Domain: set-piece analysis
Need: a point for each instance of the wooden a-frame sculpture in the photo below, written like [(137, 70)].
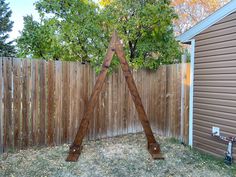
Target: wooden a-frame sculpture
[(115, 47)]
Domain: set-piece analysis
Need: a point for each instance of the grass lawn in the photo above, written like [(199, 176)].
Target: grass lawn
[(121, 157)]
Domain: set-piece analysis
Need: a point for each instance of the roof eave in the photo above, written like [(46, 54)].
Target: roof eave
[(207, 22)]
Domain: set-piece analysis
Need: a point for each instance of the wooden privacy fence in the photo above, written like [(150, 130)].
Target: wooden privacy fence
[(42, 102)]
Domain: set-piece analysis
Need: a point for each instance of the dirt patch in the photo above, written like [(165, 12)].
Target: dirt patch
[(121, 156)]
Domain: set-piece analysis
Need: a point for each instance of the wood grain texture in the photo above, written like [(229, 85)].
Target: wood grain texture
[(134, 92), (50, 103), (42, 104), (58, 103), (8, 119), (25, 103), (71, 85), (17, 101), (1, 107), (65, 102), (76, 148), (186, 103), (35, 102)]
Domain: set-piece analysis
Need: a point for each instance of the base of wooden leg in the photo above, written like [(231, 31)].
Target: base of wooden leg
[(74, 153), (158, 156), (155, 151)]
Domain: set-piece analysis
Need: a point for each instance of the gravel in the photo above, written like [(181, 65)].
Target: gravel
[(120, 156)]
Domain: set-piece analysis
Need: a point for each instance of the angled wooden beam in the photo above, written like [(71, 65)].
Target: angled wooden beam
[(153, 146), (76, 147), (115, 46)]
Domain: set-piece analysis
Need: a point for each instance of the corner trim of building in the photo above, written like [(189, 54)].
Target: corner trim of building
[(191, 93)]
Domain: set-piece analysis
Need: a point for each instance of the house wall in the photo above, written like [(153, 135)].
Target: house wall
[(215, 85)]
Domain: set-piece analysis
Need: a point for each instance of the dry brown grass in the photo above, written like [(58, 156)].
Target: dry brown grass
[(121, 156)]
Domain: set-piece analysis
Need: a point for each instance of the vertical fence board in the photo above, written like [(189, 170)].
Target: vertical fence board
[(65, 102), (168, 99), (132, 112), (115, 103), (25, 104), (163, 99), (120, 124), (124, 98), (140, 78), (78, 96), (130, 107), (96, 119), (58, 102), (35, 102), (99, 117), (29, 105), (89, 90), (173, 103), (121, 98), (178, 102), (106, 107), (186, 103), (42, 103), (81, 105), (135, 118), (1, 108), (157, 101), (129, 110), (73, 100), (103, 109), (8, 119), (32, 102), (90, 85), (109, 122), (51, 103), (150, 95), (17, 100)]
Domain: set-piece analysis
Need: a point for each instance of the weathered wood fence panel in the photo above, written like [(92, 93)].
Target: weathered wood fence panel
[(42, 102), (1, 109)]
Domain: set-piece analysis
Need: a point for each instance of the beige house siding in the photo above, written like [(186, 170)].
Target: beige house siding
[(215, 85)]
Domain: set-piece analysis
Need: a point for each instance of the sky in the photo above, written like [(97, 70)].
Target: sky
[(21, 8)]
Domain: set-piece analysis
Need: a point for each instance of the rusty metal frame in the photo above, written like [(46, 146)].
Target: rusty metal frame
[(115, 47)]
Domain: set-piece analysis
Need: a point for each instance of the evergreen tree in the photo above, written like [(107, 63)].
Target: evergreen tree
[(6, 48)]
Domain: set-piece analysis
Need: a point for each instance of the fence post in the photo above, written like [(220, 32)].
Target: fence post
[(183, 77)]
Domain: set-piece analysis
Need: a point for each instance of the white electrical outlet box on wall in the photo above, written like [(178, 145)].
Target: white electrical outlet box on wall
[(216, 131)]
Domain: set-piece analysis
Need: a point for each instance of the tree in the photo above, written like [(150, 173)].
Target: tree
[(6, 48), (146, 29), (38, 40), (80, 30), (191, 12), (78, 26)]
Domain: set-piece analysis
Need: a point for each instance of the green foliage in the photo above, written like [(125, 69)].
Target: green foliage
[(38, 40), (6, 48), (146, 29), (79, 27), (80, 31)]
